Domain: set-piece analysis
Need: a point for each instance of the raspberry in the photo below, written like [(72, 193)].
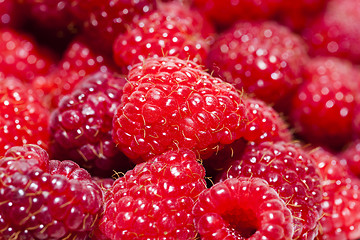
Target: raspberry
[(263, 58), (352, 156), (21, 57), (23, 120), (341, 203), (54, 203), (242, 208), (336, 32), (110, 18), (78, 61), (172, 30), (227, 12), (81, 126), (264, 124), (9, 16), (329, 95), (291, 172), (155, 199), (170, 103)]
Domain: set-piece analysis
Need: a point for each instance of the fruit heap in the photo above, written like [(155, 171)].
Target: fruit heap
[(173, 119)]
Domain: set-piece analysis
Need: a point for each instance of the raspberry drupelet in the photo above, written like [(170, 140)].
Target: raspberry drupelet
[(290, 170), (170, 103)]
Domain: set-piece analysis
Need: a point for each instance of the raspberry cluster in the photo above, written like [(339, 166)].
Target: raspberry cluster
[(179, 120)]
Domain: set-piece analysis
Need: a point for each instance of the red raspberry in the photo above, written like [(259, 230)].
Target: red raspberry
[(341, 201), (336, 32), (9, 14), (328, 95), (263, 58), (170, 103), (23, 120), (227, 12), (265, 124), (242, 208), (81, 126), (155, 199), (172, 30), (110, 18), (21, 57), (54, 203), (78, 61), (352, 156), (291, 172)]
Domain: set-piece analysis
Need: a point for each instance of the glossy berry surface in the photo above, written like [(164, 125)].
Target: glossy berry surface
[(351, 155), (264, 59), (155, 199), (294, 176), (23, 119), (242, 208), (81, 126), (341, 201), (58, 202), (329, 95), (172, 30), (170, 103)]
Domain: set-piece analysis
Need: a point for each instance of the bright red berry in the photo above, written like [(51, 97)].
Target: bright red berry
[(21, 57), (79, 60), (81, 126), (264, 59), (242, 208), (23, 119), (323, 108), (58, 202), (172, 30), (155, 199), (9, 14), (336, 32), (170, 103), (290, 170), (351, 155), (341, 200)]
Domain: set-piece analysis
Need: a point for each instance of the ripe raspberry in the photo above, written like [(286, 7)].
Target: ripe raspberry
[(172, 30), (341, 202), (336, 32), (291, 172), (264, 124), (227, 12), (242, 208), (9, 15), (328, 95), (21, 57), (81, 126), (352, 157), (23, 120), (170, 103), (263, 58), (78, 61), (60, 202), (155, 199), (111, 18)]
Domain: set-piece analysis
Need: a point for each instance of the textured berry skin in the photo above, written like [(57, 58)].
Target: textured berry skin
[(329, 95), (23, 120), (110, 18), (262, 58), (155, 199), (242, 208), (227, 12), (172, 30), (81, 126), (21, 57), (60, 202), (336, 32), (352, 157), (170, 103), (341, 202), (291, 172), (265, 124), (79, 60)]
